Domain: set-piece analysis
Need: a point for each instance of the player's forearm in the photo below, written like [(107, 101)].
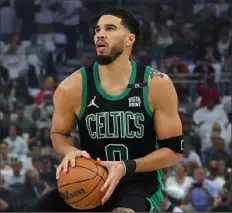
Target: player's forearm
[(62, 143), (159, 159)]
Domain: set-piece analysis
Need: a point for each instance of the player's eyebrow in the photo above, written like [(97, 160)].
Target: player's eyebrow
[(106, 25)]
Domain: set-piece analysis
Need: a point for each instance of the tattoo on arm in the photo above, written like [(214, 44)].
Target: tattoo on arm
[(156, 73)]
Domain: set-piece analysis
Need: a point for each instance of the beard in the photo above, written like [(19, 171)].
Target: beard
[(116, 51)]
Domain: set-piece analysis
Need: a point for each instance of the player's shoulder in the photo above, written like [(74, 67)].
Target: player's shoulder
[(72, 81), (158, 79), (71, 86)]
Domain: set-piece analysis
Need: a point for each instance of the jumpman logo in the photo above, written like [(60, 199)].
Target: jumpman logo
[(92, 103)]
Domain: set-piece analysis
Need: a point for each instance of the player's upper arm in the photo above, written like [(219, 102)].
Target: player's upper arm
[(67, 102), (164, 101)]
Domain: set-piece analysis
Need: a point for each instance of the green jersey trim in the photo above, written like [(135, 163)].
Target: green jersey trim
[(145, 91), (113, 97), (84, 92), (157, 197)]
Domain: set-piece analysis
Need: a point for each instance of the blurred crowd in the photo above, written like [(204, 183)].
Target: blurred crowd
[(41, 42)]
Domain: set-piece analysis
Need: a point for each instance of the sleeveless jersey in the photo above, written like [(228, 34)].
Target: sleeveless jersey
[(118, 127)]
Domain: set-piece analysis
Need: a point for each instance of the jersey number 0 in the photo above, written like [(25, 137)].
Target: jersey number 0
[(116, 152)]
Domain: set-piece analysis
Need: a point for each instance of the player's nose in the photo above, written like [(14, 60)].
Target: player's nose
[(101, 34)]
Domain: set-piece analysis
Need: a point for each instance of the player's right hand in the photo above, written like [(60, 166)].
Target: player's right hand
[(70, 158)]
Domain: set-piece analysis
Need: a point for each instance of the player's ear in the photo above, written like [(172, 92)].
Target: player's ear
[(130, 40)]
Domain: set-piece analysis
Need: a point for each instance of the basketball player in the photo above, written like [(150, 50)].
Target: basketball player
[(128, 120)]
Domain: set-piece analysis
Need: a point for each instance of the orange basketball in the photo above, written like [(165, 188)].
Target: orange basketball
[(81, 186)]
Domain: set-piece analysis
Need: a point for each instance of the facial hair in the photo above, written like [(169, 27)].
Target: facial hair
[(115, 52)]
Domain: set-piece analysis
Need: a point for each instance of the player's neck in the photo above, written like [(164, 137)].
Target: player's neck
[(117, 72)]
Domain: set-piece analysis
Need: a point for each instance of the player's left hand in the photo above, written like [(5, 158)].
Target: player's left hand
[(116, 171)]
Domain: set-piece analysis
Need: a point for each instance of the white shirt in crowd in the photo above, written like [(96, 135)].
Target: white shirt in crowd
[(204, 115), (228, 132), (17, 146), (165, 40), (223, 47), (171, 182), (26, 161), (70, 6), (11, 179), (193, 157), (218, 183), (205, 133), (44, 15)]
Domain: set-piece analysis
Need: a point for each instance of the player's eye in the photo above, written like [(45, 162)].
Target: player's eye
[(109, 28), (97, 30)]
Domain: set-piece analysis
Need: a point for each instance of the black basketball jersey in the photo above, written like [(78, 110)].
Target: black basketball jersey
[(117, 127)]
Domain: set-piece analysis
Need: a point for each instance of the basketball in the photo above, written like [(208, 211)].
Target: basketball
[(81, 186)]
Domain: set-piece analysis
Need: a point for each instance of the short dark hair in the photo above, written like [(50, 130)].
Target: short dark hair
[(128, 19)]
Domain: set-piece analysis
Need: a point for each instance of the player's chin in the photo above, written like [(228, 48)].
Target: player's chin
[(103, 53)]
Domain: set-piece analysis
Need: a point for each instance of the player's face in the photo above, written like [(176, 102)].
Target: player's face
[(111, 37)]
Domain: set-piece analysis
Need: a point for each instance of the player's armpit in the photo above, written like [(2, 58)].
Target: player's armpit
[(163, 100), (67, 100)]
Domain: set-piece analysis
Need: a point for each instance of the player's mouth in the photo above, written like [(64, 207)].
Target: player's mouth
[(101, 46)]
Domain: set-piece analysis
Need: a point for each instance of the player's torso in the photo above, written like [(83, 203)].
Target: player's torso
[(116, 127)]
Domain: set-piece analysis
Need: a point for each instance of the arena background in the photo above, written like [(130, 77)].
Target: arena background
[(42, 42)]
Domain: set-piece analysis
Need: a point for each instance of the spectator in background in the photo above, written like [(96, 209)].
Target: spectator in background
[(7, 204), (210, 113), (7, 158), (33, 188), (190, 155), (14, 59), (15, 181), (174, 65), (26, 10), (4, 152), (4, 126), (222, 169), (45, 140), (18, 92), (45, 96), (217, 150), (179, 181), (224, 42), (37, 49), (213, 168), (71, 25), (190, 135), (17, 145), (44, 16), (207, 90), (215, 129), (22, 122), (167, 206), (222, 205), (227, 67), (201, 193), (48, 171), (155, 50), (203, 70), (211, 53), (7, 21), (165, 37), (190, 167)]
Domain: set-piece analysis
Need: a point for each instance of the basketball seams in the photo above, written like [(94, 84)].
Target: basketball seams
[(97, 172), (67, 184), (88, 193)]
